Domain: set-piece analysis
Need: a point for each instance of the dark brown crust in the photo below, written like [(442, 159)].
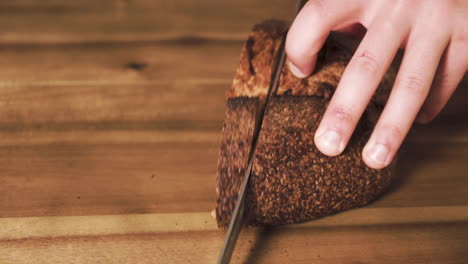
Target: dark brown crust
[(237, 135), (256, 60), (292, 181), (258, 55)]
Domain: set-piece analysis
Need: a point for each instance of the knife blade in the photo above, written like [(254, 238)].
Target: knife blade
[(237, 216)]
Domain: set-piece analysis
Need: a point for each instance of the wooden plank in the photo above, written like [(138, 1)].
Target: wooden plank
[(171, 176), (86, 179), (422, 242), (55, 21), (104, 225), (67, 134), (429, 174), (196, 60), (136, 107)]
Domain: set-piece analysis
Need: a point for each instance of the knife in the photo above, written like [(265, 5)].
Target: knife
[(237, 216)]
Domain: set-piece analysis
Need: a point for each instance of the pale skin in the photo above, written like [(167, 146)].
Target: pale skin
[(434, 36)]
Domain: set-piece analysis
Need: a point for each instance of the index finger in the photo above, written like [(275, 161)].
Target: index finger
[(310, 29)]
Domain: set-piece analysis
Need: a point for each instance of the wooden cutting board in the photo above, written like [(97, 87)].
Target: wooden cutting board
[(110, 117)]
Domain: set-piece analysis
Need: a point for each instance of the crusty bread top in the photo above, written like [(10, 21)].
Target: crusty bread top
[(258, 57)]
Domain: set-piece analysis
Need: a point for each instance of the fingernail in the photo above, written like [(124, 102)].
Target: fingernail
[(378, 153), (330, 143), (295, 70)]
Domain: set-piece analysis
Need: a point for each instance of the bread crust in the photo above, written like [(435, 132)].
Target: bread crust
[(253, 74), (291, 180), (237, 137)]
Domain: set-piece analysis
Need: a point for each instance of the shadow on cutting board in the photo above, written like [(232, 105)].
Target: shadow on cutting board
[(432, 142)]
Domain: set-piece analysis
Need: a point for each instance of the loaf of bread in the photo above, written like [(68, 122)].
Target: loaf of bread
[(291, 180)]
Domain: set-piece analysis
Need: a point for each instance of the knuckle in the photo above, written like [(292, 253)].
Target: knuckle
[(298, 48), (444, 81), (366, 61), (315, 6), (413, 83), (411, 3), (460, 37), (393, 132), (343, 114)]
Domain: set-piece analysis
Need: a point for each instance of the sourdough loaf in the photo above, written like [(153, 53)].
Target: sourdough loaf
[(291, 180)]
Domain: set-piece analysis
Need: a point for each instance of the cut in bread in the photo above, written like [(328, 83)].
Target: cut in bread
[(291, 180)]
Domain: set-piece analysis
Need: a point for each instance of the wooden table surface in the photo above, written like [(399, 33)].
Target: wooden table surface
[(110, 118)]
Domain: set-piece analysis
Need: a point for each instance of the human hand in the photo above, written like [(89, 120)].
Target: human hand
[(434, 35)]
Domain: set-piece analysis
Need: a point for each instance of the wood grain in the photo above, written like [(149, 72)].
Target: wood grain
[(96, 153), (105, 225), (110, 117), (86, 179), (52, 21), (118, 63), (420, 242), (98, 107)]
